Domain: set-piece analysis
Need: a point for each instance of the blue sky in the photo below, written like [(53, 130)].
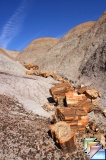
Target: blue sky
[(22, 21)]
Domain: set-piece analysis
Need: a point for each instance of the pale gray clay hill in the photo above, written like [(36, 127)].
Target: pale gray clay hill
[(31, 91), (36, 49), (78, 55), (10, 53)]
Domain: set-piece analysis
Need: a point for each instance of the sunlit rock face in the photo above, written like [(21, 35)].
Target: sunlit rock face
[(36, 49)]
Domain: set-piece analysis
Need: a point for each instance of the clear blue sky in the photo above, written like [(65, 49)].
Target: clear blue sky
[(22, 21)]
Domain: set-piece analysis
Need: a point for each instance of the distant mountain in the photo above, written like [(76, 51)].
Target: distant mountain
[(36, 49), (9, 53)]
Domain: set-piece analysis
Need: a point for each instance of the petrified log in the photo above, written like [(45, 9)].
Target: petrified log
[(68, 113), (61, 87), (30, 72), (33, 72), (82, 90), (83, 121), (29, 66), (48, 74), (72, 98), (95, 102), (37, 72), (86, 105), (75, 117), (43, 74), (52, 74), (80, 129), (64, 136), (58, 92), (61, 79), (93, 94)]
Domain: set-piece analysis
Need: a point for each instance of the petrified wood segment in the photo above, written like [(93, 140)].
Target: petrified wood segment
[(33, 72), (64, 136), (82, 90), (72, 98), (86, 105), (30, 72), (31, 66), (92, 93), (76, 117), (58, 92)]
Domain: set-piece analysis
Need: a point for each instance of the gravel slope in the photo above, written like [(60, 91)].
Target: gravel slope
[(24, 136)]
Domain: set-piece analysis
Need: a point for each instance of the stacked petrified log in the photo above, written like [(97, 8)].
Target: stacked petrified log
[(76, 118), (58, 92), (72, 109)]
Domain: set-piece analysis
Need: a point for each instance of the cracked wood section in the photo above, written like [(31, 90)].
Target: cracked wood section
[(64, 136)]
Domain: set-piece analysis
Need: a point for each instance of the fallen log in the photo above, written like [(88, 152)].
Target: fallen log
[(86, 105), (33, 72), (72, 98), (58, 92), (64, 136), (75, 117), (68, 113), (31, 66), (30, 72)]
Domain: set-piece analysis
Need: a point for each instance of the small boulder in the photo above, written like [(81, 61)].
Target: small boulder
[(92, 94)]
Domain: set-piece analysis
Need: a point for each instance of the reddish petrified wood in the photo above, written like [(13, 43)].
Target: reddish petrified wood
[(58, 92), (86, 105), (93, 94), (64, 136), (30, 66), (82, 90), (73, 116), (72, 98)]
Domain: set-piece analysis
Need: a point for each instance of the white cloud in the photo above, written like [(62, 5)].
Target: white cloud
[(13, 26)]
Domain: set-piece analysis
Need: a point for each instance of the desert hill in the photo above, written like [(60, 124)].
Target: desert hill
[(10, 53), (36, 49), (80, 55), (78, 30), (67, 57)]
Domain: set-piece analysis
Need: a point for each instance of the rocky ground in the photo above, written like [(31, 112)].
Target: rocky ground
[(24, 136)]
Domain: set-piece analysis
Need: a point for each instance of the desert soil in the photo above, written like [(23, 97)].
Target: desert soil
[(24, 135)]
